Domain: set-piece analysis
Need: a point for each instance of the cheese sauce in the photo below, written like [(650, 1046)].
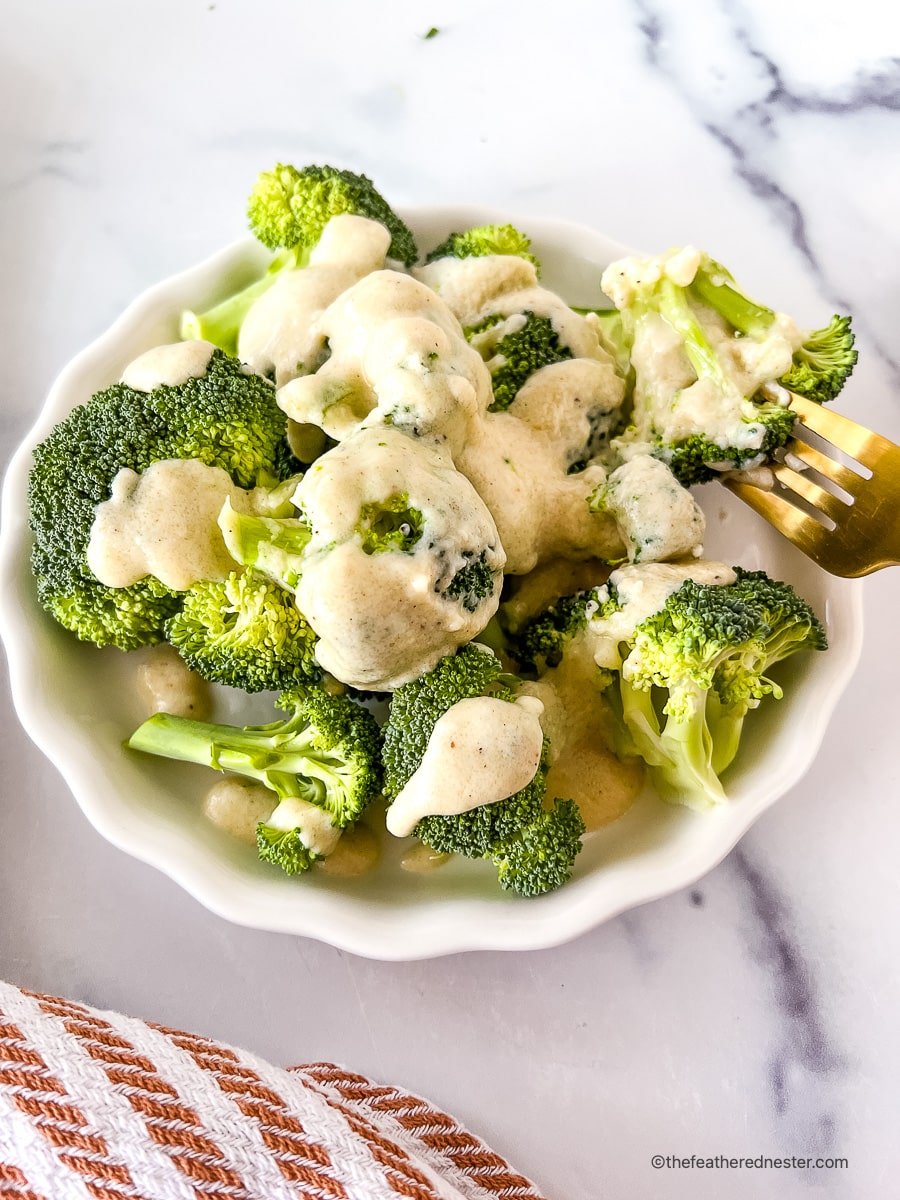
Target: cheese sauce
[(480, 751)]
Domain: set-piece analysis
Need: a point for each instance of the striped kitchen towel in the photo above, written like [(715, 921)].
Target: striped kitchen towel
[(98, 1106)]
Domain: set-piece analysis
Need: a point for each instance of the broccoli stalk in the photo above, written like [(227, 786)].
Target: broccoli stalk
[(288, 209), (326, 753), (821, 365), (533, 847), (271, 545)]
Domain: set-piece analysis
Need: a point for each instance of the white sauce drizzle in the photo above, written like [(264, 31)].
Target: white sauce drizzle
[(480, 751), (281, 332), (162, 522), (168, 366), (643, 590), (656, 516), (313, 824)]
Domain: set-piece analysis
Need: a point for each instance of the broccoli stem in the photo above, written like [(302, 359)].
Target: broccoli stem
[(221, 323), (674, 308), (283, 759), (269, 544), (711, 285)]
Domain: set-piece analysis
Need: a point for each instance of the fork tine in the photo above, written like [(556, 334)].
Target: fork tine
[(854, 440), (804, 531), (800, 485), (843, 476)]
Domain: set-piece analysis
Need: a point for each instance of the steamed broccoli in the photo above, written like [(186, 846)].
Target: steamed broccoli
[(540, 857), (288, 210), (223, 418), (394, 525), (326, 753), (821, 364), (542, 642), (514, 348), (732, 416), (483, 240), (245, 632), (532, 847), (682, 679)]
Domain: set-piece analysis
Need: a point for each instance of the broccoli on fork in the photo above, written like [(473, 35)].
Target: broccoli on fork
[(734, 413), (533, 847), (288, 210), (322, 758)]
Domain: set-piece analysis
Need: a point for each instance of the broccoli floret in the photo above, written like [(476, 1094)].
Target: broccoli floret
[(276, 547), (542, 641), (224, 418), (245, 632), (821, 365), (541, 856), (696, 459), (686, 675), (472, 584), (516, 355), (712, 319), (325, 752), (516, 833), (288, 210), (483, 240), (128, 617), (741, 682), (390, 524)]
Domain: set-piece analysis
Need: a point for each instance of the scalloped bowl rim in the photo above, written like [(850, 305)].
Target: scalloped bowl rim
[(415, 929)]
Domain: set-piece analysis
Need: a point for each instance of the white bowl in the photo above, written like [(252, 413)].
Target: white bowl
[(77, 704)]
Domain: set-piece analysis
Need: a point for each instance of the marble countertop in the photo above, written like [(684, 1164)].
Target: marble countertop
[(754, 1014)]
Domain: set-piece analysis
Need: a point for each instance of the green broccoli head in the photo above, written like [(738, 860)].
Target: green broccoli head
[(690, 671), (540, 856), (415, 710), (325, 753), (472, 584), (542, 641), (284, 848), (533, 849), (128, 617), (514, 356), (390, 524), (289, 207), (224, 418), (483, 240), (245, 632)]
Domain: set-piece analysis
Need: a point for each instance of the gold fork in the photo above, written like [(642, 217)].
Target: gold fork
[(852, 534)]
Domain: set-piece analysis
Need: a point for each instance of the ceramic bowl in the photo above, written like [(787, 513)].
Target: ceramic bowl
[(78, 703)]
